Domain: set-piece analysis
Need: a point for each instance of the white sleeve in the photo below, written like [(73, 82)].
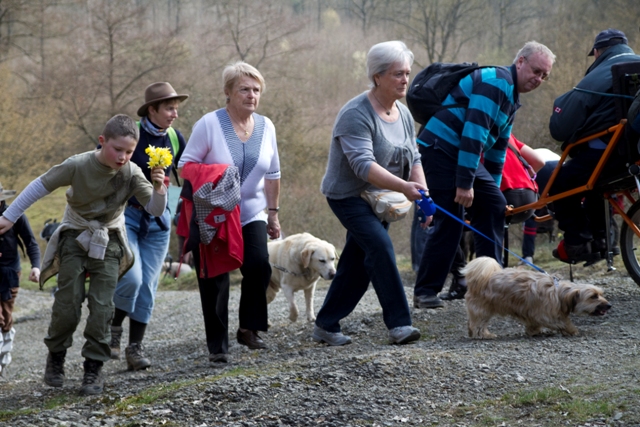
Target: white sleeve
[(198, 146), (31, 194)]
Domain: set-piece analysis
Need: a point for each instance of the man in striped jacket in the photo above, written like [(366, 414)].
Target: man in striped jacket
[(452, 144)]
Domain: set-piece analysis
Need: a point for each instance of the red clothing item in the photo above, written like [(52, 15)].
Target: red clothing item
[(226, 251), (514, 174)]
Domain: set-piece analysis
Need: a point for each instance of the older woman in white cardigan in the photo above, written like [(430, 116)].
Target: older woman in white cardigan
[(237, 135)]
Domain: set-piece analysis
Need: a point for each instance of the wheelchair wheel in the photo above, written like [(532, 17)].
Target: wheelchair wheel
[(630, 244)]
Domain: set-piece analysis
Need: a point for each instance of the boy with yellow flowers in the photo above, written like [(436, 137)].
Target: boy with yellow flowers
[(90, 240)]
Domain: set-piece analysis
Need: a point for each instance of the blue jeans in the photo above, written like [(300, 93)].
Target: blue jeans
[(136, 291), (368, 256), (487, 216)]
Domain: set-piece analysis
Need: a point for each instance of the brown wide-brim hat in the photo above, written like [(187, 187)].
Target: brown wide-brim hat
[(161, 91), (5, 194)]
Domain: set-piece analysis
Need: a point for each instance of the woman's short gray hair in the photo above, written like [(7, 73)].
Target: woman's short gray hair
[(382, 55), (233, 72), (532, 47)]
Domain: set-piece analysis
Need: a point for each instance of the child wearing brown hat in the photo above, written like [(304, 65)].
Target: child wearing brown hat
[(91, 239), (19, 236)]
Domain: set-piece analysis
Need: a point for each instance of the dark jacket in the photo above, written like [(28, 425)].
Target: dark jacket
[(20, 235), (577, 114)]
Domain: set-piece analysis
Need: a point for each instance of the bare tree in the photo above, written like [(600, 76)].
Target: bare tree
[(115, 58), (511, 15), (364, 11), (441, 27), (260, 31)]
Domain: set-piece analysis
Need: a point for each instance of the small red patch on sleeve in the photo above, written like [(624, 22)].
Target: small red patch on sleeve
[(557, 110)]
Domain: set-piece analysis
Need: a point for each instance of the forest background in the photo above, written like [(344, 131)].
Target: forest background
[(67, 66)]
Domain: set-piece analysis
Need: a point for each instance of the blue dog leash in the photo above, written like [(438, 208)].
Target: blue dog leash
[(428, 207)]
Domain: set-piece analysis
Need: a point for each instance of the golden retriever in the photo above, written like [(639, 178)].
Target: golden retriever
[(297, 263), (533, 299)]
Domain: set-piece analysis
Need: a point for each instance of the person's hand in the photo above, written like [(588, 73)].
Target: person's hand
[(35, 275), (426, 222), (273, 225), (157, 177), (464, 196), (5, 225), (410, 190)]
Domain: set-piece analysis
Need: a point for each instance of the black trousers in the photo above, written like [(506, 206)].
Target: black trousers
[(487, 216), (582, 216), (214, 292)]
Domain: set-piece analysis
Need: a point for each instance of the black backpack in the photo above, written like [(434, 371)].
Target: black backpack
[(431, 86)]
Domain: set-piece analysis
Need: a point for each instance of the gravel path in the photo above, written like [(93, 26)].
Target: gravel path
[(444, 379)]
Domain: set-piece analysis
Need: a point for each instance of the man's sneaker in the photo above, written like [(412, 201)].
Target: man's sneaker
[(457, 290), (54, 372), (403, 335), (135, 357), (424, 301), (116, 335), (331, 338), (93, 381)]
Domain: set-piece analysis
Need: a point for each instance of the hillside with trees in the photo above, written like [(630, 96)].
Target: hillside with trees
[(66, 66)]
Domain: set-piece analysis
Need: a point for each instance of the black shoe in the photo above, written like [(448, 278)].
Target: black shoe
[(456, 291), (93, 381), (600, 246), (219, 358), (573, 254), (251, 339), (424, 301), (54, 372)]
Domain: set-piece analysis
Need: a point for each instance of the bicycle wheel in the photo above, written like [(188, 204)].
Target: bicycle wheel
[(630, 244)]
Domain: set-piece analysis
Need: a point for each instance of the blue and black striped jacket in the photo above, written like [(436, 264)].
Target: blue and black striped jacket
[(483, 126)]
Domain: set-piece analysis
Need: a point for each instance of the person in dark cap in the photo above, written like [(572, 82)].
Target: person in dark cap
[(148, 236), (586, 109)]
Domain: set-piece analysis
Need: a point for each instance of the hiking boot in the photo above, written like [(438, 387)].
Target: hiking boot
[(403, 335), (116, 335), (424, 301), (54, 372), (135, 357), (457, 290), (93, 381), (573, 254), (331, 338)]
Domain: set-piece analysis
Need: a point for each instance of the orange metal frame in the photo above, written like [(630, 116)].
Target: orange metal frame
[(545, 198)]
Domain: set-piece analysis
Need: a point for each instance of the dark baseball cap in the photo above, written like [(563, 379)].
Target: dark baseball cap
[(608, 37)]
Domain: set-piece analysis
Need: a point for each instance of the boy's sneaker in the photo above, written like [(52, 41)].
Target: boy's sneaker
[(331, 338), (403, 335), (93, 381), (135, 357), (116, 335), (54, 372)]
